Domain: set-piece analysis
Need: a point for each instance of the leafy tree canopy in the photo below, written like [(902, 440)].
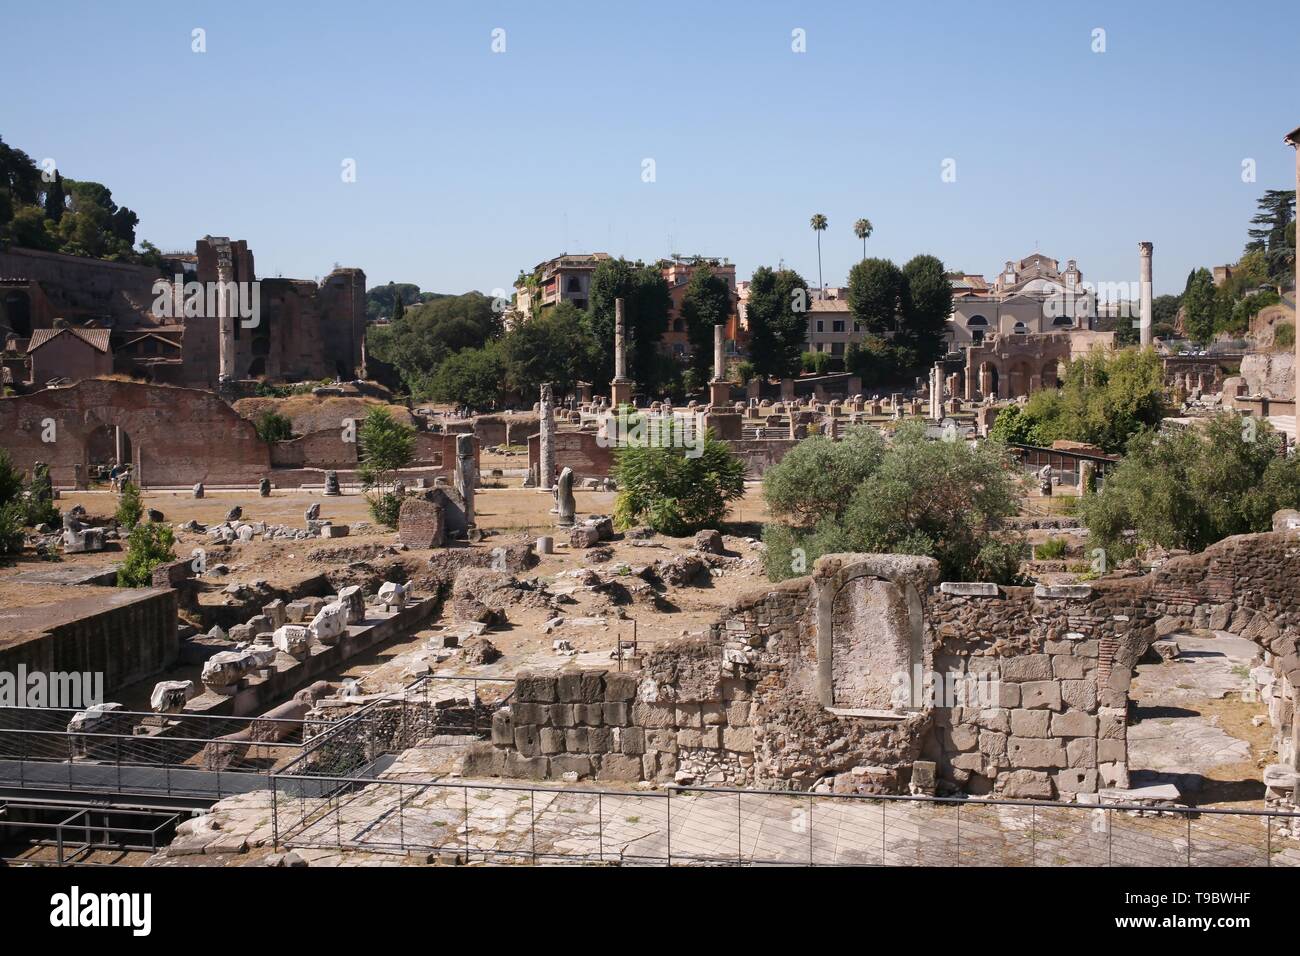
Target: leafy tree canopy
[(1188, 488), (674, 490), (945, 499)]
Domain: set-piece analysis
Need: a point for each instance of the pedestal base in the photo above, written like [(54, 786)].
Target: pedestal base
[(719, 394), (620, 393)]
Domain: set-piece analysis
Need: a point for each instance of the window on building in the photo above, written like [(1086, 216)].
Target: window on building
[(1020, 328), (837, 348), (837, 325), (821, 326)]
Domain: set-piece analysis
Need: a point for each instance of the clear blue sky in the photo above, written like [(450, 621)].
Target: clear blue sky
[(472, 165)]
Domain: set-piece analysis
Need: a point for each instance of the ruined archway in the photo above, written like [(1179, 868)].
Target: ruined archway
[(871, 631)]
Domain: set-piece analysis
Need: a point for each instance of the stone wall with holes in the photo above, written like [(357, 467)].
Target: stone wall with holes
[(1016, 691)]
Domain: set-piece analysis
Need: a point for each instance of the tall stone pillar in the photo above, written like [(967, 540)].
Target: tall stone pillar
[(620, 389), (225, 312), (1293, 138), (936, 393), (970, 374), (546, 443), (1144, 305), (465, 477), (719, 388)]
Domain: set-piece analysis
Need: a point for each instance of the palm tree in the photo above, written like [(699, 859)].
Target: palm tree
[(862, 229), (818, 222)]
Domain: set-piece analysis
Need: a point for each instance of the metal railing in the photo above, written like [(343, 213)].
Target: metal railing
[(719, 826), (76, 833), (190, 755)]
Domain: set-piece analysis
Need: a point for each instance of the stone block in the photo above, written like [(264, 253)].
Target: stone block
[(526, 768), (619, 768), (689, 738), (969, 588), (483, 760), (575, 740), (688, 715), (1074, 723), (1036, 695), (600, 739), (740, 739), (663, 740), (1028, 667), (1113, 774), (993, 743), (1082, 753), (1030, 723), (615, 714), (711, 738), (964, 737), (1076, 780), (503, 731), (621, 687), (1112, 724), (1034, 752), (631, 740), (535, 687), (527, 740), (1079, 694), (1112, 751), (738, 713), (562, 715), (653, 715), (1026, 785), (524, 713), (334, 531), (589, 715), (713, 714), (995, 718), (593, 686), (568, 685), (1070, 668), (552, 741), (572, 763)]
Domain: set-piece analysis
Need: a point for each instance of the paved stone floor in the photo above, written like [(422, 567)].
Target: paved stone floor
[(418, 809), (1190, 725)]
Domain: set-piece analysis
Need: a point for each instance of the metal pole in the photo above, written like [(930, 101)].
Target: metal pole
[(600, 825), (532, 819), (740, 853), (1033, 836), (670, 799), (1189, 838)]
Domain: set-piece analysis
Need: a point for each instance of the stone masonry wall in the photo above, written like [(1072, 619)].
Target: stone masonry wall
[(1024, 691)]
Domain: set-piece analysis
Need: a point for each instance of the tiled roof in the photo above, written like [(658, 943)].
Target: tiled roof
[(96, 338)]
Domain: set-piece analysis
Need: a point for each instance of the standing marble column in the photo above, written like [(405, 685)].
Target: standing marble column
[(936, 393), (719, 388), (546, 443), (465, 477), (225, 311), (1144, 305), (620, 389)]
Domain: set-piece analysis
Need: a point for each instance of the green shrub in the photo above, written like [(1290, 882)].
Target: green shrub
[(674, 492), (129, 506), (384, 508), (273, 427), (11, 528), (1053, 549), (816, 362), (946, 500), (148, 546)]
